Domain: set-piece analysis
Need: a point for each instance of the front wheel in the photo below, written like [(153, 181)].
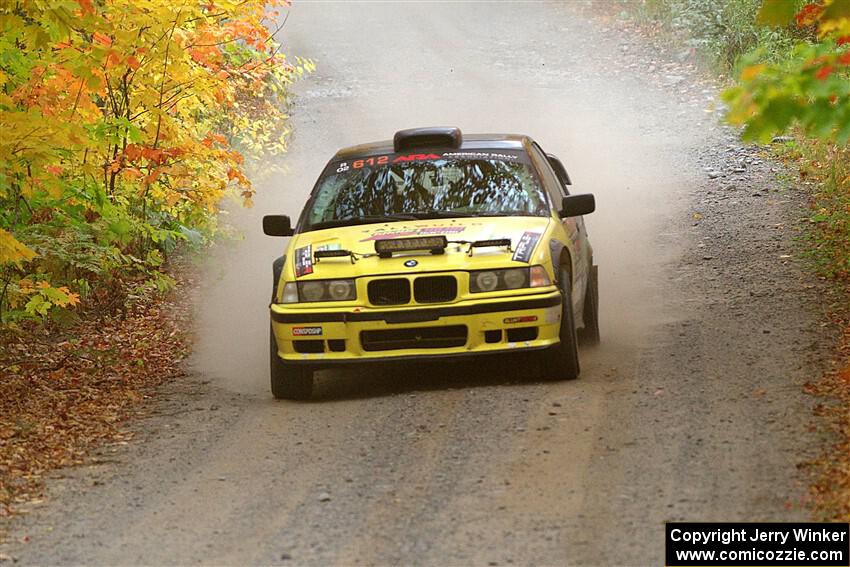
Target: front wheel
[(561, 360), (288, 381)]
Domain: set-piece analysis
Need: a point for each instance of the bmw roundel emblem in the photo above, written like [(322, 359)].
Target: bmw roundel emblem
[(411, 264)]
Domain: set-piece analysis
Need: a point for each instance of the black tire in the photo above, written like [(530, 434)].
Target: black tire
[(589, 335), (561, 360), (288, 381)]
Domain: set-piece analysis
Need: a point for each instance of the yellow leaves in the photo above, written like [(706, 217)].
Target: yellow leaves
[(176, 171), (132, 173), (742, 106), (42, 297), (61, 296), (12, 251), (837, 27), (122, 114), (751, 72)]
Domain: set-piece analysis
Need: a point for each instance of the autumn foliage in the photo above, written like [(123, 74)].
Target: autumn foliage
[(125, 123), (807, 93), (808, 88)]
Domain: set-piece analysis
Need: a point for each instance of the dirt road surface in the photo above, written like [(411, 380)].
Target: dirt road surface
[(690, 409)]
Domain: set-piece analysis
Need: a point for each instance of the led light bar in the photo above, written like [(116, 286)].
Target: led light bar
[(493, 242), (436, 244), (331, 253)]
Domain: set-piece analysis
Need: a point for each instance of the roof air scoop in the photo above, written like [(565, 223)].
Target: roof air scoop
[(427, 137)]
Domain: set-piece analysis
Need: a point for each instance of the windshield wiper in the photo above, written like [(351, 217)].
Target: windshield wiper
[(460, 214), (442, 214), (507, 214), (360, 220)]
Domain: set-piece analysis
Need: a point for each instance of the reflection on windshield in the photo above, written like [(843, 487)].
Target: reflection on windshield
[(427, 189)]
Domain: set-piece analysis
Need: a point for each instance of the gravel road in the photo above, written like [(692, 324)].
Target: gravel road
[(691, 409)]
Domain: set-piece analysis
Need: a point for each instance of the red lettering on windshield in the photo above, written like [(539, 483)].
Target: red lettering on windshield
[(415, 157)]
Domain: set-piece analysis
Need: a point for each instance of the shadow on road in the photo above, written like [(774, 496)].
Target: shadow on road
[(395, 378)]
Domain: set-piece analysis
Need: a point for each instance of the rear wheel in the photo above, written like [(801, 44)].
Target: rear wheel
[(561, 360), (288, 381), (589, 335)]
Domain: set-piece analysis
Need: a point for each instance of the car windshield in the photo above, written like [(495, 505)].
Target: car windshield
[(424, 186)]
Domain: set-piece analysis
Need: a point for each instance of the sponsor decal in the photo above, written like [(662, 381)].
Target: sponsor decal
[(384, 234), (329, 246), (481, 155), (306, 331), (415, 157), (522, 319), (360, 163), (303, 261), (525, 246), (390, 159), (384, 160)]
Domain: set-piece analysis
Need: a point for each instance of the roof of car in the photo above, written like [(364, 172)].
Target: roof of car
[(470, 142)]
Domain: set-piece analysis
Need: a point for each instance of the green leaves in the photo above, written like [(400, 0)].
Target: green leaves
[(777, 12), (811, 88)]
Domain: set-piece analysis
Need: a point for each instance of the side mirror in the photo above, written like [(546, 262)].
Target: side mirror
[(577, 205), (277, 225)]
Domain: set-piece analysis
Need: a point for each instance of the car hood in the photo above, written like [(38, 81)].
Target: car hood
[(525, 233)]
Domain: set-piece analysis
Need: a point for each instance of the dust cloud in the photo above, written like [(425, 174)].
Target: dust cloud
[(381, 70)]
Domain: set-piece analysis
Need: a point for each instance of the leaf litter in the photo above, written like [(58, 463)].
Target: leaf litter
[(65, 392)]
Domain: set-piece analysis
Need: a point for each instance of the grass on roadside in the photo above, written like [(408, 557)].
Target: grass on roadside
[(719, 31)]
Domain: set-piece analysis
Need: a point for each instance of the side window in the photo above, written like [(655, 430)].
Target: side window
[(551, 182)]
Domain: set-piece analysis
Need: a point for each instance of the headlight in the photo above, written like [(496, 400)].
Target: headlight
[(340, 290), (325, 290), (312, 291), (512, 278), (485, 281), (515, 278)]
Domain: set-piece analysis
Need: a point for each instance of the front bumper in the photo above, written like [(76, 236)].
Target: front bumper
[(349, 335)]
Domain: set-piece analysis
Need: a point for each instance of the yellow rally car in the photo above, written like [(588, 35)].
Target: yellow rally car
[(433, 245)]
